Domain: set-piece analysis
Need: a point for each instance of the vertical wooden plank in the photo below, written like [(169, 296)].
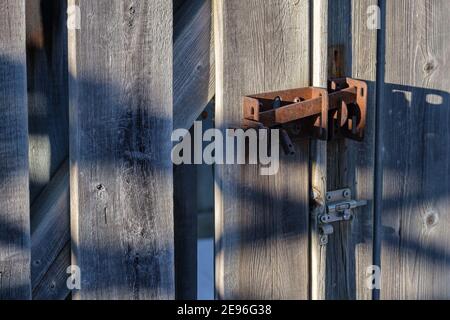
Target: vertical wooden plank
[(361, 155), (339, 269), (415, 105), (15, 282), (351, 164), (261, 222), (318, 157), (121, 174)]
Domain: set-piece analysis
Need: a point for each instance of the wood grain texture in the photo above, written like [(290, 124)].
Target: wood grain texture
[(361, 155), (351, 164), (121, 173), (50, 225), (318, 152), (14, 194), (52, 208), (194, 75), (261, 222), (53, 285), (339, 269), (415, 104)]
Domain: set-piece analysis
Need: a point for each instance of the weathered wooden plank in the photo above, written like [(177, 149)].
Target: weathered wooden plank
[(194, 72), (53, 285), (14, 194), (50, 225), (339, 269), (415, 112), (318, 156), (361, 156), (47, 90), (351, 164), (51, 207), (121, 172), (261, 222)]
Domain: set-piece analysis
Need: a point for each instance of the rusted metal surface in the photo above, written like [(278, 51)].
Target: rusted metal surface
[(312, 112), (348, 107)]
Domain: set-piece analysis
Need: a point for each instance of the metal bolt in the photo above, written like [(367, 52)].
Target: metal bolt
[(347, 215), (347, 193), (277, 103)]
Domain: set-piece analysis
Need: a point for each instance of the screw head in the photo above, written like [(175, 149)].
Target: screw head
[(347, 215)]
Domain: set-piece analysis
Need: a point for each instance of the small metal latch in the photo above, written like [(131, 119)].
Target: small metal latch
[(340, 206), (319, 113)]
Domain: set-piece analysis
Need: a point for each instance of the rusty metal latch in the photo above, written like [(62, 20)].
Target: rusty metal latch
[(339, 208), (339, 110)]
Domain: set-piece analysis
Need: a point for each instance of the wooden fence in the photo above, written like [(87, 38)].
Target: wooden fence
[(86, 177)]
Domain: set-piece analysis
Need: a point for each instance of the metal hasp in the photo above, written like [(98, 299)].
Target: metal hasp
[(339, 110), (339, 207)]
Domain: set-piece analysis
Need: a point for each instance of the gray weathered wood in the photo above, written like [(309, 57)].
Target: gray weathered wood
[(121, 173), (261, 222), (360, 156), (50, 230), (339, 269), (415, 113), (318, 156), (351, 164), (51, 207), (194, 74), (14, 194), (53, 285)]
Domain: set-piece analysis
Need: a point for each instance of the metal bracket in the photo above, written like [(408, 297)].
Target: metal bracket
[(339, 208), (339, 110)]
